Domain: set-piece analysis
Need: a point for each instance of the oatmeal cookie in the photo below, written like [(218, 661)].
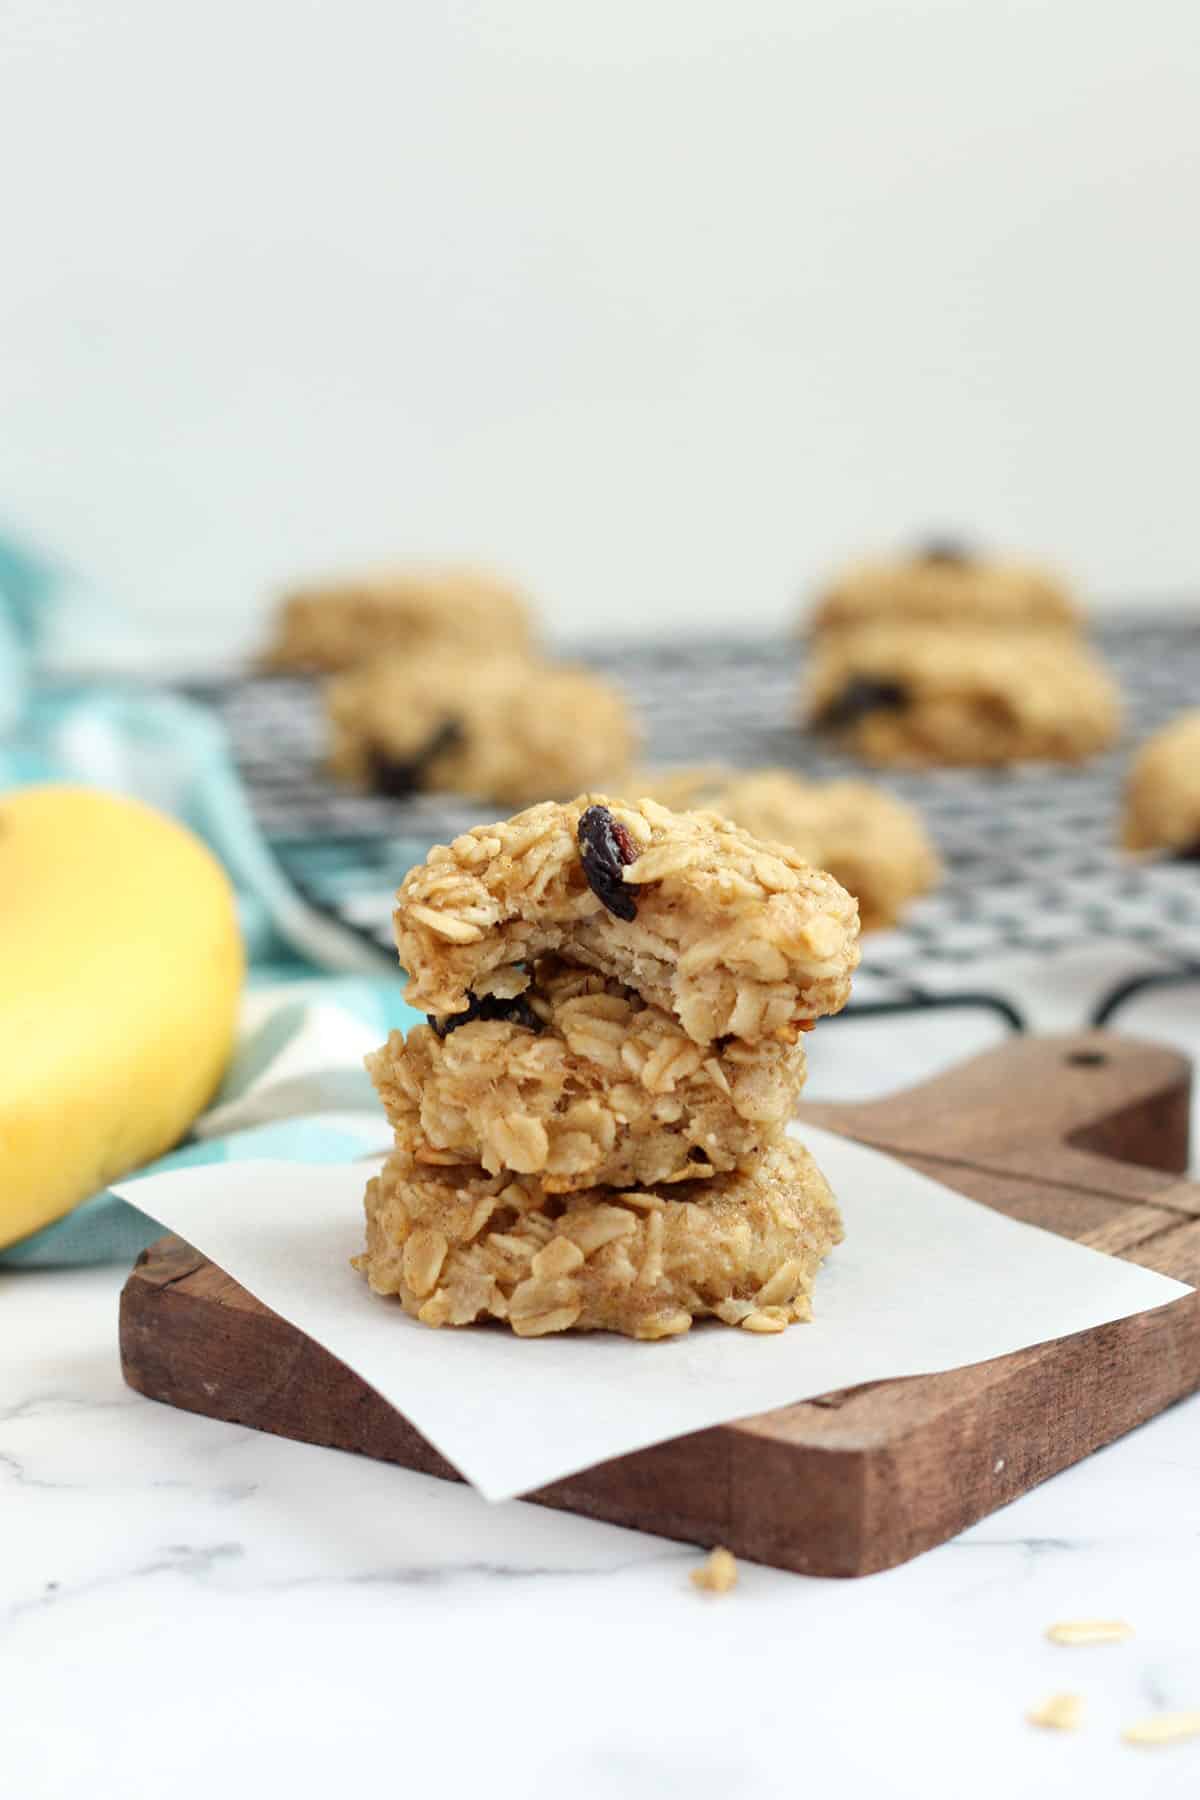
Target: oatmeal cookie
[(505, 729), (699, 918), (580, 1082), (457, 1246), (897, 695), (1162, 793), (944, 583), (875, 845), (340, 623)]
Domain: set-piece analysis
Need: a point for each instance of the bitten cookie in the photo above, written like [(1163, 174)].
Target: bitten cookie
[(1162, 793), (916, 698), (457, 1246), (503, 728), (340, 623), (944, 583), (875, 845), (728, 935), (580, 1082)]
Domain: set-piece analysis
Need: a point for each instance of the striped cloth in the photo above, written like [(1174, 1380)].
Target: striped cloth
[(296, 1087)]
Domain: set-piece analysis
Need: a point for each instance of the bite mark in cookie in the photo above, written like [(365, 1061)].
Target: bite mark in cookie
[(731, 936)]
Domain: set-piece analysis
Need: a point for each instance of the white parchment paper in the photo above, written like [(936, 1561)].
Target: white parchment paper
[(926, 1280)]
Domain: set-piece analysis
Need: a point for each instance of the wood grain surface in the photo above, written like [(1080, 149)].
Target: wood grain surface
[(1086, 1135)]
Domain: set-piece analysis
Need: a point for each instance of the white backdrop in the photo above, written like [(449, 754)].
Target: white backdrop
[(661, 304)]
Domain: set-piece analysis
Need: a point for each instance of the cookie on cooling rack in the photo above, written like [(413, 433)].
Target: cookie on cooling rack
[(459, 1245), (732, 937), (1162, 792), (505, 728), (944, 583), (340, 623), (916, 698), (581, 1082), (875, 845)]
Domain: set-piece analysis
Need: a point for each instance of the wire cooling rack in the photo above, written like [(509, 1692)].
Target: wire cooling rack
[(1031, 857)]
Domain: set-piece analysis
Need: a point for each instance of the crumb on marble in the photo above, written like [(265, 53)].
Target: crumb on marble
[(718, 1573), (1060, 1712), (1163, 1728), (1089, 1631)]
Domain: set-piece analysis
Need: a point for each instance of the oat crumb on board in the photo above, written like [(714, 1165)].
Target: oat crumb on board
[(718, 1573), (1163, 1728), (1089, 1631), (1061, 1712)]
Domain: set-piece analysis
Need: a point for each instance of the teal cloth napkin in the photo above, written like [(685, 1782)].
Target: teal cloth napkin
[(296, 1087)]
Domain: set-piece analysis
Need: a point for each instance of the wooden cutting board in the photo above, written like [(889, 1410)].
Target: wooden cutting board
[(1084, 1135)]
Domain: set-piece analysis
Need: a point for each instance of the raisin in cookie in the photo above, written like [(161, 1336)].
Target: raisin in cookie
[(341, 623), (875, 845), (580, 1082), (945, 584), (916, 698), (1162, 794), (457, 1246), (699, 918), (503, 728)]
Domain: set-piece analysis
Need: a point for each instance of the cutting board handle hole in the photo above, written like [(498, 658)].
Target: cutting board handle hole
[(1087, 1059)]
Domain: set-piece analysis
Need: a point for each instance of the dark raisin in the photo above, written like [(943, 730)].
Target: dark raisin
[(945, 550), (400, 776), (860, 696), (516, 1011), (1189, 853), (605, 848), (696, 1154)]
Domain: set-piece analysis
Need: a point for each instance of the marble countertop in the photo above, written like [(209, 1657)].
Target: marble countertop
[(190, 1608)]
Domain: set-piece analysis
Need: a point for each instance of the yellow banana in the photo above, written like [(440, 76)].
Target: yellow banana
[(120, 972)]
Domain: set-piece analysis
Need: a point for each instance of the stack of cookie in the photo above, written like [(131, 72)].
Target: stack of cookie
[(946, 657), (590, 1130), (437, 686)]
